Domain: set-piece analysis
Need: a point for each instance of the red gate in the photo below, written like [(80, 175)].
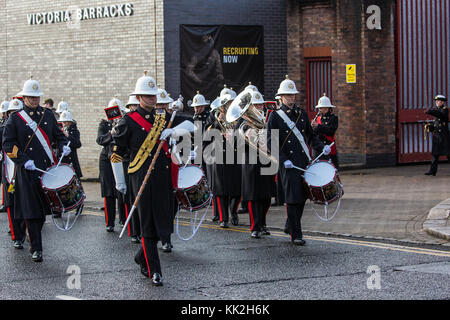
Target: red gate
[(318, 82), (422, 71)]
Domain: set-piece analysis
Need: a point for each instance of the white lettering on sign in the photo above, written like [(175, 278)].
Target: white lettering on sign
[(374, 21), (80, 14)]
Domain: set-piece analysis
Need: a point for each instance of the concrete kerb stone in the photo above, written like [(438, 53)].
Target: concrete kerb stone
[(437, 223)]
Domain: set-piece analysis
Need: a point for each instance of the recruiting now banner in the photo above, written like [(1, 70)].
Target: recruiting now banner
[(214, 56)]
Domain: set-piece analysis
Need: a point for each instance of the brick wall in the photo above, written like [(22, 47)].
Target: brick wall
[(366, 110), (85, 66), (269, 13)]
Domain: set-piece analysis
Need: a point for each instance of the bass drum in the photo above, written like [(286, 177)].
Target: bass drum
[(193, 192)]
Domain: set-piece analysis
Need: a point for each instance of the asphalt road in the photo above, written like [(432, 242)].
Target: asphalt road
[(220, 264)]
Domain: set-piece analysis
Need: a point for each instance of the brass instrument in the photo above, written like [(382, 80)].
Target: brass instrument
[(219, 105), (254, 121), (315, 118), (427, 127)]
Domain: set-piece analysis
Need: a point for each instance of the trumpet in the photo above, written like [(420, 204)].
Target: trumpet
[(251, 128)]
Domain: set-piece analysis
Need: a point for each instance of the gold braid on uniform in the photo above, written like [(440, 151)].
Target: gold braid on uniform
[(149, 143)]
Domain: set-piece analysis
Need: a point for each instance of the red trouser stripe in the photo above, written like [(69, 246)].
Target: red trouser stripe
[(106, 212), (3, 196), (10, 224), (145, 254), (250, 211), (220, 208)]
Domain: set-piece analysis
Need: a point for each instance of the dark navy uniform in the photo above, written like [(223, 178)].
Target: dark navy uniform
[(157, 199), (326, 130), (291, 149), (29, 203), (225, 182), (107, 182), (441, 136), (75, 143)]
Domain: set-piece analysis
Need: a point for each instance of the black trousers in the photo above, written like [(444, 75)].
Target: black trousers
[(148, 254), (435, 162), (18, 227), (110, 210), (294, 217), (34, 227), (257, 210), (280, 192), (223, 205)]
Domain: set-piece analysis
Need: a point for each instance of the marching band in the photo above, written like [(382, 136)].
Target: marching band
[(141, 169)]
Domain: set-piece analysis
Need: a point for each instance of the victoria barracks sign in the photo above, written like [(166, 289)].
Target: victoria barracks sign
[(74, 13)]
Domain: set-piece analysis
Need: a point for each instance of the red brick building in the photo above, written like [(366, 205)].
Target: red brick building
[(400, 49)]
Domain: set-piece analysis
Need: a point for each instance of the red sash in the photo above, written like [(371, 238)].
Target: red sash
[(329, 138), (143, 123)]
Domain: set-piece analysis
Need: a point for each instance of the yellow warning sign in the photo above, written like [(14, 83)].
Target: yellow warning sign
[(351, 73)]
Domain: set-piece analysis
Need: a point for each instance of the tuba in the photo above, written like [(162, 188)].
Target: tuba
[(251, 128)]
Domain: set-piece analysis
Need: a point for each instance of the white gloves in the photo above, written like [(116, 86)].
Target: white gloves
[(119, 176), (165, 134), (29, 165), (288, 164), (66, 151), (326, 150)]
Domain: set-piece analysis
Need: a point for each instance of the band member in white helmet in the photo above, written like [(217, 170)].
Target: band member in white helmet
[(72, 133), (30, 150), (295, 132)]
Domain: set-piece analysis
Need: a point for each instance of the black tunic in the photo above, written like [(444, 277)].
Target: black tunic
[(291, 149), (155, 205), (104, 138), (441, 134), (28, 198), (75, 143)]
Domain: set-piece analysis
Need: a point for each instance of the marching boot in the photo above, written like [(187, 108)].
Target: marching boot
[(299, 242), (256, 234), (2, 208), (37, 256), (18, 244), (167, 247), (234, 219), (157, 280), (430, 174)]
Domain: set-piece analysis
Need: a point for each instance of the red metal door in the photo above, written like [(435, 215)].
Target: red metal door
[(422, 71), (318, 82)]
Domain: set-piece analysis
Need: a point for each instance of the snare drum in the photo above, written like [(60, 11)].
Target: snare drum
[(193, 192), (62, 188), (322, 183)]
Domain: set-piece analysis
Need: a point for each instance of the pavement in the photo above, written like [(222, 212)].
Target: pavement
[(398, 204)]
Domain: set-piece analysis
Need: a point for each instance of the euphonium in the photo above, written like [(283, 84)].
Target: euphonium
[(251, 128)]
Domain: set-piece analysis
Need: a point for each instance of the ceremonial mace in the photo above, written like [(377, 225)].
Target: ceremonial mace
[(144, 183)]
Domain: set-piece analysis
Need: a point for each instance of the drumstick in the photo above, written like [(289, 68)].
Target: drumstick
[(304, 170), (321, 154), (62, 156), (195, 149), (144, 183), (37, 169)]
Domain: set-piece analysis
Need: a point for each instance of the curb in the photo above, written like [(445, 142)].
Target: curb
[(437, 223)]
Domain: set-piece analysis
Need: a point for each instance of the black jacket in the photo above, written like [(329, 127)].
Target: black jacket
[(441, 134), (291, 149), (75, 143)]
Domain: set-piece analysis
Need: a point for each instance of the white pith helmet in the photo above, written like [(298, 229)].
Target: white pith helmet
[(65, 116), (4, 106), (163, 97), (31, 88), (199, 100), (15, 105), (225, 91), (324, 102), (115, 102), (287, 86), (145, 85), (257, 97), (132, 100), (251, 87), (62, 106)]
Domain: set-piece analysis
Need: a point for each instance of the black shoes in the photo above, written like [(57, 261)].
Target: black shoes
[(215, 219), (135, 240), (37, 256), (299, 242), (224, 224), (265, 231), (430, 174), (110, 229), (157, 280), (18, 244), (167, 247), (2, 208), (256, 234), (235, 220)]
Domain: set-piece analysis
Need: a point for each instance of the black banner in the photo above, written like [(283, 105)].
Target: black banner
[(214, 56)]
